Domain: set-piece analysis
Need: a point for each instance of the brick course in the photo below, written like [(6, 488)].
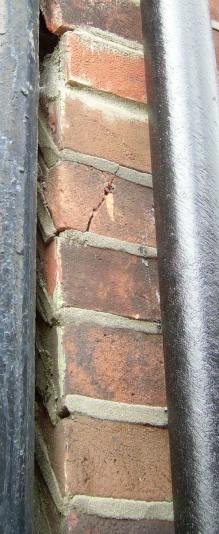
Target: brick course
[(113, 16), (104, 280), (100, 369), (110, 16), (88, 123), (80, 523), (106, 363), (84, 59), (108, 459), (100, 364), (50, 521)]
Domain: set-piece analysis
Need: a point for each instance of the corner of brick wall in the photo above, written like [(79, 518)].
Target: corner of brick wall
[(101, 423)]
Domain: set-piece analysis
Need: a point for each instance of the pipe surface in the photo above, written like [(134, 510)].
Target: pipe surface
[(18, 164), (184, 130)]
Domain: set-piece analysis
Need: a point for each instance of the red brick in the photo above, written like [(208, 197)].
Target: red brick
[(72, 191), (78, 523), (214, 5), (75, 192), (127, 214), (85, 58), (109, 281), (50, 269), (84, 524), (216, 44), (99, 127), (106, 363), (103, 280), (107, 459), (113, 16), (118, 365)]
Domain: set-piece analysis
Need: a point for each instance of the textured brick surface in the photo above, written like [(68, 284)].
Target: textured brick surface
[(109, 281), (47, 520), (49, 267), (107, 363), (100, 111), (127, 214), (72, 191), (120, 209), (85, 58), (100, 127), (102, 280), (83, 524), (214, 5), (118, 365), (113, 16), (107, 459), (216, 44)]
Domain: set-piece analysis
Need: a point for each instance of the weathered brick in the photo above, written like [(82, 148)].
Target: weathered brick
[(109, 281), (127, 214), (84, 524), (84, 60), (113, 16), (48, 519), (99, 126), (49, 267), (107, 459), (102, 279), (118, 365), (72, 191), (216, 44), (214, 6), (76, 194), (105, 363)]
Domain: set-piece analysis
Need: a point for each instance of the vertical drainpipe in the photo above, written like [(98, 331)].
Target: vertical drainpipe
[(184, 129), (18, 165)]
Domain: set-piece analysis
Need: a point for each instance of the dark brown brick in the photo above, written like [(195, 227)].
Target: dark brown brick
[(118, 365), (105, 363), (102, 279), (109, 281)]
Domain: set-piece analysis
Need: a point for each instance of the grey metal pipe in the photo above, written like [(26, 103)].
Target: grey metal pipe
[(18, 163), (184, 129)]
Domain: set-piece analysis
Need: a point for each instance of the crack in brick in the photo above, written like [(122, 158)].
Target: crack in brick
[(108, 188)]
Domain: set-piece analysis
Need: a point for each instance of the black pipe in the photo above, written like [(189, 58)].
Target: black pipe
[(183, 96), (18, 162)]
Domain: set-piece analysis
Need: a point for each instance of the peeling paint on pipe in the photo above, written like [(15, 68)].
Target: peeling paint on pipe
[(184, 129)]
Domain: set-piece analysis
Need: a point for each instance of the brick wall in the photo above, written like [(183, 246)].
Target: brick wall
[(102, 442)]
